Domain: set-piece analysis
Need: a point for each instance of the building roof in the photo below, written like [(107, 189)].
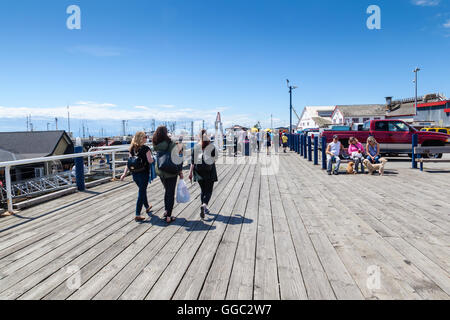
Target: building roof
[(27, 145), (403, 109), (322, 122), (362, 110)]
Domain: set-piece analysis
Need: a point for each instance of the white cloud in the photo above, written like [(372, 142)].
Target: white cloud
[(96, 51), (89, 110), (447, 24), (426, 3)]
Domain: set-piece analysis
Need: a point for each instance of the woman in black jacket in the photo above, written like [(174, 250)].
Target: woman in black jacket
[(203, 170), (139, 149)]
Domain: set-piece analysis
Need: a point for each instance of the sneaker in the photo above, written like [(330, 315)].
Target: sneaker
[(335, 173), (202, 212), (329, 173)]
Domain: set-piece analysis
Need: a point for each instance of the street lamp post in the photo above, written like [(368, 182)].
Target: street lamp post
[(290, 105), (416, 70)]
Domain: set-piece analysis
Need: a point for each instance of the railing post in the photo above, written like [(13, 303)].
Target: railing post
[(324, 153), (298, 143), (9, 190), (113, 166), (413, 152), (305, 146), (79, 170), (89, 164), (309, 148), (316, 150), (300, 149)]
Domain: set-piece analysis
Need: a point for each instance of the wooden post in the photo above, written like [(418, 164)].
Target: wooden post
[(324, 153), (413, 153), (79, 166), (316, 150)]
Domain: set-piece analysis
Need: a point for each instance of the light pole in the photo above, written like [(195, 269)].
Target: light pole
[(416, 70), (290, 106)]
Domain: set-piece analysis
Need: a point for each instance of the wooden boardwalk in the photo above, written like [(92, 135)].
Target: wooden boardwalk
[(299, 234)]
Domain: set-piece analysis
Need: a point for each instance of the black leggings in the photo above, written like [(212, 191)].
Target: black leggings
[(169, 197), (207, 189)]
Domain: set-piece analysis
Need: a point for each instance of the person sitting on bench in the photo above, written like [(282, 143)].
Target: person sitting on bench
[(333, 151)]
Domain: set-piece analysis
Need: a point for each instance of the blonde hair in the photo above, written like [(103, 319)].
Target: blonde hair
[(136, 143), (371, 139)]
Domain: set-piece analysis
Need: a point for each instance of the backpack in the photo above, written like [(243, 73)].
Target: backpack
[(203, 167), (135, 163), (165, 163)]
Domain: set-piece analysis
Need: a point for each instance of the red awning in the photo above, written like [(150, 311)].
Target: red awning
[(433, 104)]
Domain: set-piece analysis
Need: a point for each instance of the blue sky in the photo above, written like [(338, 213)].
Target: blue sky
[(188, 59)]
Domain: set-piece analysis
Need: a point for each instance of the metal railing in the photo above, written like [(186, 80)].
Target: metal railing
[(111, 151), (10, 164)]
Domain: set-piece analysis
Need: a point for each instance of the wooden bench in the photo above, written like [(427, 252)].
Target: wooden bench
[(427, 150)]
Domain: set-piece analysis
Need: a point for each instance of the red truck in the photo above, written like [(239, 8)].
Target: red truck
[(394, 137)]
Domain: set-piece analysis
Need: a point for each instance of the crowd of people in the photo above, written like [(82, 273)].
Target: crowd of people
[(356, 152), (168, 169)]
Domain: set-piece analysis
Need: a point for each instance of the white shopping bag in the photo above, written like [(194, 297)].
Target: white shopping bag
[(183, 195)]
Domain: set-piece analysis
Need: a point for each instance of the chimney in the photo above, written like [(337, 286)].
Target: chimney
[(388, 101)]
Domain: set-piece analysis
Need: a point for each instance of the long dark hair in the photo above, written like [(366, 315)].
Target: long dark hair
[(160, 135), (204, 139)]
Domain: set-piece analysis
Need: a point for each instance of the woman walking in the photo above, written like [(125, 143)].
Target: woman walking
[(269, 142), (164, 145), (203, 170), (141, 156)]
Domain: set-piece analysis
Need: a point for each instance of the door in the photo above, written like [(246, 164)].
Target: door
[(400, 137), (382, 135)]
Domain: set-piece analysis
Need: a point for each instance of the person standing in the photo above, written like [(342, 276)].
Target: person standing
[(269, 142), (163, 144), (258, 140), (333, 151), (203, 170), (141, 171), (284, 139)]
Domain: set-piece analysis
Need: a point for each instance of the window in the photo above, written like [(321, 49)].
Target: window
[(366, 126), (381, 126), (443, 131), (355, 120), (366, 119), (398, 126)]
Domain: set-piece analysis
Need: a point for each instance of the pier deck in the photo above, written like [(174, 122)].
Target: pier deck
[(299, 234)]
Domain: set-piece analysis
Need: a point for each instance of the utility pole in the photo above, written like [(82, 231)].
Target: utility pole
[(290, 105), (416, 70), (48, 126), (68, 118), (28, 126), (56, 124)]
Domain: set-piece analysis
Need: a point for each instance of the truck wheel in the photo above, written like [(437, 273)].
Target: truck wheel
[(432, 155)]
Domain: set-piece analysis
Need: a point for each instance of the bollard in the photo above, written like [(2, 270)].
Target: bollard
[(316, 150), (309, 148), (324, 153), (305, 146), (300, 138), (9, 190), (413, 153), (79, 170), (298, 144)]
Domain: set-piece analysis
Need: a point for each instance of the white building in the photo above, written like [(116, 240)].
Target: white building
[(314, 117), (351, 114)]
